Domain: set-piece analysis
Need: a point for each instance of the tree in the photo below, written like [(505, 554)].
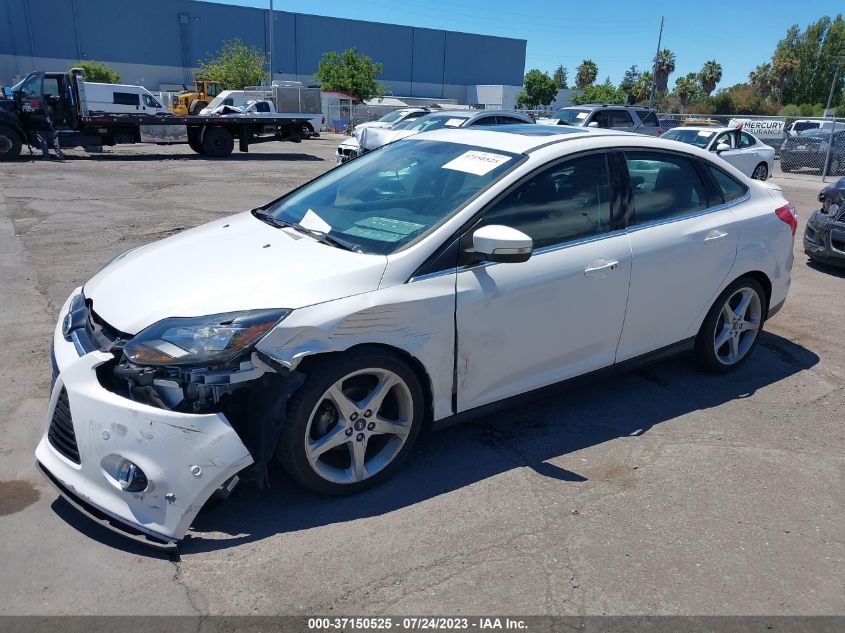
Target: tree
[(602, 93), (665, 66), (629, 80), (586, 73), (235, 67), (784, 67), (538, 89), (97, 72), (560, 76), (685, 88), (350, 72), (642, 87), (762, 79), (709, 75)]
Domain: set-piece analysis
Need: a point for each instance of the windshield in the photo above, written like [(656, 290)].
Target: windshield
[(382, 200), (218, 100), (815, 134), (432, 122), (699, 138), (571, 116), (390, 117)]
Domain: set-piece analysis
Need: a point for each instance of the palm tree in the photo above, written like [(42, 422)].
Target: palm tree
[(762, 79), (685, 87), (709, 75), (586, 73), (784, 67), (641, 87), (664, 66)]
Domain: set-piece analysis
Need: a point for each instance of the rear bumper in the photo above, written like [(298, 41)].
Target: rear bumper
[(185, 457)]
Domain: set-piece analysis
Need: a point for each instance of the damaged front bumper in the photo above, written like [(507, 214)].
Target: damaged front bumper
[(824, 238), (144, 470)]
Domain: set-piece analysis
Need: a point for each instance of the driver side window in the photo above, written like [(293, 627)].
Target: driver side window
[(727, 138), (564, 202)]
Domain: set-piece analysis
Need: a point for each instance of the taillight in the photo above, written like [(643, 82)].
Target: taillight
[(659, 131), (788, 214)]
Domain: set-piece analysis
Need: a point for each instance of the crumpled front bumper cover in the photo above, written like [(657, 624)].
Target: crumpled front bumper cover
[(824, 239), (185, 456)]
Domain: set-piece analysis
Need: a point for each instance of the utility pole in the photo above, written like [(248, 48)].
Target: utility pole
[(833, 118), (654, 67), (272, 19)]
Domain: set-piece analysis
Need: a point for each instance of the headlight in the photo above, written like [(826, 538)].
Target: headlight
[(213, 339)]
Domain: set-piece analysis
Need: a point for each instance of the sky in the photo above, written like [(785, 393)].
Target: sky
[(614, 34)]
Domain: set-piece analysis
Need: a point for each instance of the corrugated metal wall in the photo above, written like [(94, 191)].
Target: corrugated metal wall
[(153, 40)]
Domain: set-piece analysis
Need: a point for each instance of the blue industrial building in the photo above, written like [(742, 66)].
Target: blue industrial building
[(157, 43)]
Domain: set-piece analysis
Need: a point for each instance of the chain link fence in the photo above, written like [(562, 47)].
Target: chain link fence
[(806, 146)]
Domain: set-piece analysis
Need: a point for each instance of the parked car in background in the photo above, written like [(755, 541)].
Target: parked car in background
[(394, 118), (442, 273), (607, 117), (668, 124), (748, 154), (122, 99), (824, 235), (802, 125), (809, 149), (367, 139)]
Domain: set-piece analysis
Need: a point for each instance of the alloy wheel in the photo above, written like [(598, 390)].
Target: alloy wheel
[(760, 172), (359, 425), (737, 326)]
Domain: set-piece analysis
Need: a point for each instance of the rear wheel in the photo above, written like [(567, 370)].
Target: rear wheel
[(194, 141), (352, 423), (10, 143), (218, 142), (306, 131), (761, 172), (786, 167), (732, 326), (834, 166)]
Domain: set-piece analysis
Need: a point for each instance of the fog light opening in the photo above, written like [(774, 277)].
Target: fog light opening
[(131, 478)]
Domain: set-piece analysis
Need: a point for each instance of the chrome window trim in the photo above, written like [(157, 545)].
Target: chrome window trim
[(693, 214)]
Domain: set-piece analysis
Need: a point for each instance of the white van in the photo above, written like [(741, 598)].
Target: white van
[(122, 99)]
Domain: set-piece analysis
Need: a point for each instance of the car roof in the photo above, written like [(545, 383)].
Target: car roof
[(517, 139), (703, 128)]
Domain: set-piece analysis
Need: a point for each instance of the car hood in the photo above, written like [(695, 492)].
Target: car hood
[(237, 263)]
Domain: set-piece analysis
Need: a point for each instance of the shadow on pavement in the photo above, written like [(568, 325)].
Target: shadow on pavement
[(561, 420), (828, 269)]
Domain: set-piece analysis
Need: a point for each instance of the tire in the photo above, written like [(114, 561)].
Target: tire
[(761, 172), (786, 167), (306, 131), (738, 340), (10, 143), (194, 142), (313, 415), (834, 166), (218, 142)]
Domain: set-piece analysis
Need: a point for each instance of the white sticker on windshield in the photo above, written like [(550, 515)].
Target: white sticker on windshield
[(704, 133), (475, 162), (314, 222), (454, 123)]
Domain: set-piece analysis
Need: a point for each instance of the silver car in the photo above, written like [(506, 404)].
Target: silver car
[(610, 117)]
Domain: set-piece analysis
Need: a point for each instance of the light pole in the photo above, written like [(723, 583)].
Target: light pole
[(272, 19), (833, 118), (654, 67)]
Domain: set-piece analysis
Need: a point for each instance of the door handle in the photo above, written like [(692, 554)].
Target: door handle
[(599, 268), (714, 235)]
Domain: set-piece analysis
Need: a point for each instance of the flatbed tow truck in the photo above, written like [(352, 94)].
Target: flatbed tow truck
[(61, 96)]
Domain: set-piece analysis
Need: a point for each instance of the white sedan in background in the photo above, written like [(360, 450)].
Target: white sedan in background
[(411, 286), (744, 151)]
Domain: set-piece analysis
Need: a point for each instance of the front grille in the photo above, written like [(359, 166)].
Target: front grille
[(61, 433)]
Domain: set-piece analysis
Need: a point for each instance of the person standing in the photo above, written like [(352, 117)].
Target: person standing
[(48, 134)]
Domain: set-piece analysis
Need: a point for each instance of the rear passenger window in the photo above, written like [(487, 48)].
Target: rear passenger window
[(664, 186), (746, 140), (620, 118), (564, 202), (126, 98), (731, 189)]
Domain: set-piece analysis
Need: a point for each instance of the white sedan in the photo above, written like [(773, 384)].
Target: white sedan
[(418, 284), (742, 150)]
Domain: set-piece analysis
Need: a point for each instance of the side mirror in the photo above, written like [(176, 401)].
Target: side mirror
[(722, 147), (497, 243), (593, 124)]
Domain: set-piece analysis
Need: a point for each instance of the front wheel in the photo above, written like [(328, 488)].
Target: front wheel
[(352, 423), (732, 326), (834, 166), (761, 172), (10, 143)]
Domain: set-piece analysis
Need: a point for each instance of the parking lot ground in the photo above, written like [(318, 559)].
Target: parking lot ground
[(662, 491)]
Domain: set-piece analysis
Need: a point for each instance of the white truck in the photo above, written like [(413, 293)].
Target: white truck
[(282, 98)]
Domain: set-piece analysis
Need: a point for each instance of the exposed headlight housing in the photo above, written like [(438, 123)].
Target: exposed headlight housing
[(207, 340)]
